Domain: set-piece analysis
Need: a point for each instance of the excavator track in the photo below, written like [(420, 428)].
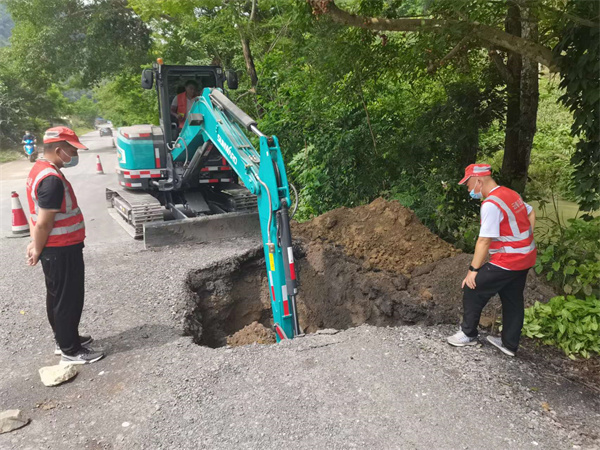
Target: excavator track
[(242, 198), (133, 209)]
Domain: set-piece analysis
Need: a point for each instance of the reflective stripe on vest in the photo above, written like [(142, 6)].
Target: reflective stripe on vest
[(58, 216), (512, 220), (56, 231), (513, 249), (69, 226), (521, 250)]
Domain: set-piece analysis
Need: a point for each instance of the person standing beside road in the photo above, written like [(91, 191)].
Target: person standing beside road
[(183, 102), (507, 234), (58, 232)]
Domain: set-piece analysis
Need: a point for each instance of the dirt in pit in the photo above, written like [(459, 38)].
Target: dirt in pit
[(255, 333), (374, 264)]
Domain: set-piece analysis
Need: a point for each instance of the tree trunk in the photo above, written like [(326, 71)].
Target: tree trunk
[(513, 99), (250, 68), (530, 94), (522, 102)]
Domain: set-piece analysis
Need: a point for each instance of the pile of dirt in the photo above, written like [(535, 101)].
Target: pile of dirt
[(383, 235), (255, 333)]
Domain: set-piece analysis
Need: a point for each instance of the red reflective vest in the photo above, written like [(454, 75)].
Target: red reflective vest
[(515, 248), (181, 108), (69, 227)]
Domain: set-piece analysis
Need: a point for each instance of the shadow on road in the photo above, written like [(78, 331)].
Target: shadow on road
[(144, 336)]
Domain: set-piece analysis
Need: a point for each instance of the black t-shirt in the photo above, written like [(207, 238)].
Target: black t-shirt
[(28, 136), (50, 193)]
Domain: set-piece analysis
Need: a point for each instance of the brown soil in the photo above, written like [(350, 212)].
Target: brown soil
[(414, 277), (374, 264), (384, 235), (255, 333)]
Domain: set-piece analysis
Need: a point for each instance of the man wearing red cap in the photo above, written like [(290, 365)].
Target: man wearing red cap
[(58, 232), (507, 235)]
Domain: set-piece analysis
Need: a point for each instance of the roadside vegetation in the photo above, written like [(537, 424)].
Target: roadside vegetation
[(362, 108)]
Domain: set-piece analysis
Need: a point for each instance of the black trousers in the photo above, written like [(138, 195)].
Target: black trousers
[(65, 273), (509, 284)]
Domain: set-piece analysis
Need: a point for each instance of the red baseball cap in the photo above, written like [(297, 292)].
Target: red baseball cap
[(59, 134), (476, 170)]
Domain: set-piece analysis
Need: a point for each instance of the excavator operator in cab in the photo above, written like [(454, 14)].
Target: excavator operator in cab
[(182, 103)]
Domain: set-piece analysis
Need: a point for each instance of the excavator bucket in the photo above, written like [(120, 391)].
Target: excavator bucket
[(213, 228)]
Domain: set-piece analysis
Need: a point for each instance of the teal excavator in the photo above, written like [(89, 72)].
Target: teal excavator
[(205, 178)]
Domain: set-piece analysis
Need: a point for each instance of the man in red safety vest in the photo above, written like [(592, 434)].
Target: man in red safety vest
[(507, 235), (58, 231), (183, 102)]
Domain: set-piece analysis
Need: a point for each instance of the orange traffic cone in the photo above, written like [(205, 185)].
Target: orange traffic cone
[(99, 169), (19, 221)]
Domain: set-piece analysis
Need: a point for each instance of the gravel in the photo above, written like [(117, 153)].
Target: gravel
[(366, 387)]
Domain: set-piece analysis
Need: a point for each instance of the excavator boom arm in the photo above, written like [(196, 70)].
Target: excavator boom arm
[(214, 118)]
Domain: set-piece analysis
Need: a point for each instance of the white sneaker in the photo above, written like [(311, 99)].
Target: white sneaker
[(460, 339), (497, 342)]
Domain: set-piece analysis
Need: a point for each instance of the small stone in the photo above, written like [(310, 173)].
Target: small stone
[(426, 294), (55, 375), (125, 424), (328, 331), (12, 419)]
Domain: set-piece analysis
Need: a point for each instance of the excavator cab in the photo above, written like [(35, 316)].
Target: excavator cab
[(170, 80)]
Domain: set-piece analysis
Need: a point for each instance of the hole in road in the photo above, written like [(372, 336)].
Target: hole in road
[(231, 305)]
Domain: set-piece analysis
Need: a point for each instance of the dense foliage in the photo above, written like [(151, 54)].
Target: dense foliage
[(579, 54), (568, 322), (569, 256)]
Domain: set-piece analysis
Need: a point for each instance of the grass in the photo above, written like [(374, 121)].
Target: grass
[(80, 131), (7, 155)]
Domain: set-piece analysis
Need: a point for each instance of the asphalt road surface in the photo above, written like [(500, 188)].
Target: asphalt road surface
[(89, 189), (366, 388)]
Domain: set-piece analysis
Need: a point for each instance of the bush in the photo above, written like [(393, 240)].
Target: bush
[(570, 257), (570, 323)]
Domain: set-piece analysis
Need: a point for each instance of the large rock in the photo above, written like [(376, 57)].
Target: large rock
[(12, 419), (55, 375)]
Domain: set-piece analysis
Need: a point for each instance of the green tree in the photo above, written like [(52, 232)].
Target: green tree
[(75, 40), (578, 54), (124, 102), (85, 110), (511, 34)]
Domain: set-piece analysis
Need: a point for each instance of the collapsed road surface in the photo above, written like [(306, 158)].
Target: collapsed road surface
[(365, 387)]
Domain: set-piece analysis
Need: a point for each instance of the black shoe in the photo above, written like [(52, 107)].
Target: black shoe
[(84, 356), (84, 340)]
